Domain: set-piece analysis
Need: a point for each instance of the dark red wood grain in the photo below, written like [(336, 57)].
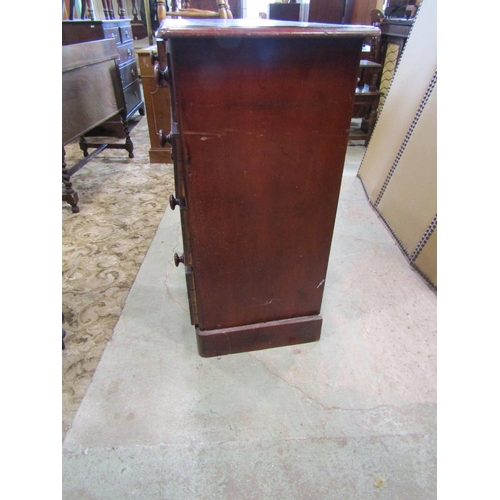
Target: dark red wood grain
[(263, 117)]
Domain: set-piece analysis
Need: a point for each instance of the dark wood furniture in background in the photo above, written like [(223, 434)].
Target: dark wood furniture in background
[(91, 94), (326, 11), (394, 34), (157, 99), (261, 113), (394, 31), (121, 32), (366, 100), (157, 102), (284, 11), (204, 5), (341, 11)]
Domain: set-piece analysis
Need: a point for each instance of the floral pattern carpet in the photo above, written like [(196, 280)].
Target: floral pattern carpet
[(121, 202)]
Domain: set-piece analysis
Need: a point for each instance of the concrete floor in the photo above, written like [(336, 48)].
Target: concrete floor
[(352, 416)]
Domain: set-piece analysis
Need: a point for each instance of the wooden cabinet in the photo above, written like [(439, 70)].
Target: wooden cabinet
[(260, 121), (284, 11), (341, 11), (91, 94), (327, 11), (157, 102), (121, 31)]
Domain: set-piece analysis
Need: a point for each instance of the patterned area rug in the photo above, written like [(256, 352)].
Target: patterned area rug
[(121, 203)]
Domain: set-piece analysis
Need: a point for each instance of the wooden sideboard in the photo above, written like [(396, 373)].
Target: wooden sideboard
[(120, 31), (91, 94), (260, 122)]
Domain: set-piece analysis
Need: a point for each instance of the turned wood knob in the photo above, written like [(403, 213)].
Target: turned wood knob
[(178, 259), (164, 139), (174, 202), (161, 75)]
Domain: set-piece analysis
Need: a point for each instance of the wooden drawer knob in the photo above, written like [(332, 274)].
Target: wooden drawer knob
[(162, 76), (178, 259), (174, 202), (164, 139)]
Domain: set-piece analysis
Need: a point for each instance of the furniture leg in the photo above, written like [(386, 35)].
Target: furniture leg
[(129, 146), (84, 146), (70, 196)]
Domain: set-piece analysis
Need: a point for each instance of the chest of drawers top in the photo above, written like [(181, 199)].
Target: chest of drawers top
[(86, 30)]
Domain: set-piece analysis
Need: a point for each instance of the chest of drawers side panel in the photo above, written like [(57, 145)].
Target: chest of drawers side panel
[(263, 127)]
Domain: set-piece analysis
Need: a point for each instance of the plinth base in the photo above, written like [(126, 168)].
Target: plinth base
[(258, 336)]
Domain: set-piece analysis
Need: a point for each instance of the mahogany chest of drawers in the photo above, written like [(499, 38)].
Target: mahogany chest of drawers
[(121, 31), (260, 120)]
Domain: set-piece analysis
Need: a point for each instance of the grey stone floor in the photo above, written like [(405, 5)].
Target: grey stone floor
[(352, 416)]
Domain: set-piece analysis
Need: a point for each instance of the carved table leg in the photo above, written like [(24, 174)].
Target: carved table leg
[(129, 146), (70, 196)]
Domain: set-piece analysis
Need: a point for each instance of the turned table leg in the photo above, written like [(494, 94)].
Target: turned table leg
[(129, 146), (70, 195)]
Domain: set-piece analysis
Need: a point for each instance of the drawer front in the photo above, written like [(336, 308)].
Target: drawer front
[(112, 33), (126, 34), (126, 52), (128, 73), (133, 96), (79, 32)]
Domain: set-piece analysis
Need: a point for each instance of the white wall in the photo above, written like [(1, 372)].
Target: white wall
[(251, 8)]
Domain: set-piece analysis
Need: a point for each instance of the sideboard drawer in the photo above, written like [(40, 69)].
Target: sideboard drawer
[(126, 52), (126, 34), (133, 96), (113, 32), (129, 73)]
